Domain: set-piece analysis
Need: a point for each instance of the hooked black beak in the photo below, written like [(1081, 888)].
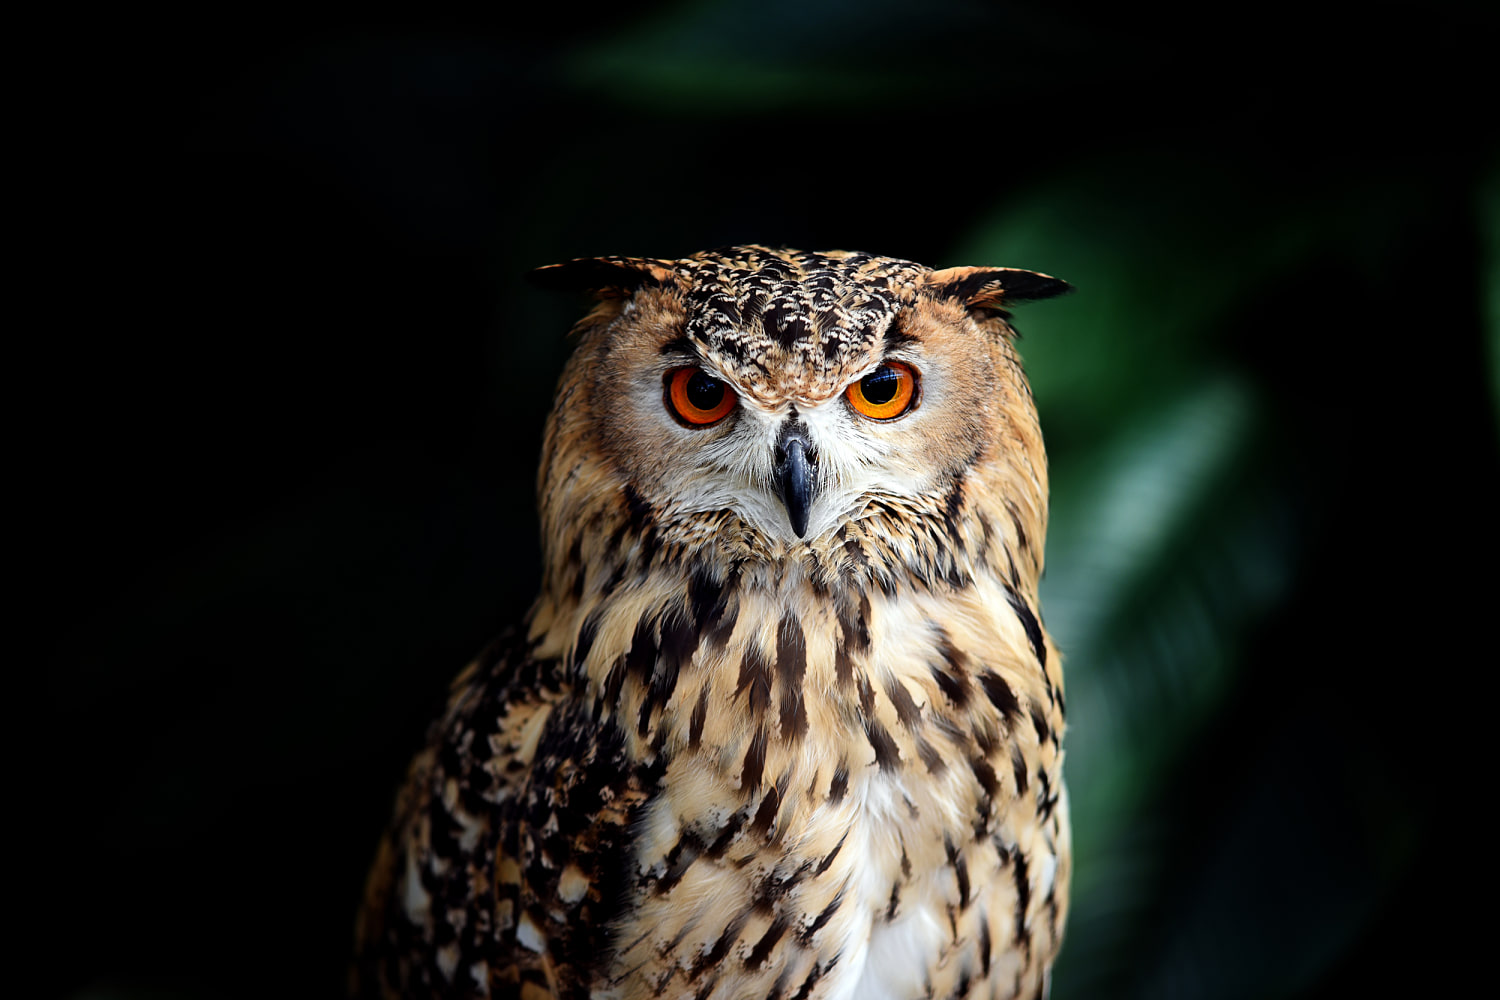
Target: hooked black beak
[(796, 473)]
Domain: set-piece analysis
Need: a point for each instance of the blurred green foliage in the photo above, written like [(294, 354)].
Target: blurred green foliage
[(1171, 534)]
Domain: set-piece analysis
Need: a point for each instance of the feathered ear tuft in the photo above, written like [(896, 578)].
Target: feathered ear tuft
[(606, 277), (994, 287)]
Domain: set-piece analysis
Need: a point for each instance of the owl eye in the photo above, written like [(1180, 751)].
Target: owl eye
[(885, 393), (697, 398)]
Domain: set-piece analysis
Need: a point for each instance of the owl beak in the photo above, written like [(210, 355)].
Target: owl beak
[(796, 472)]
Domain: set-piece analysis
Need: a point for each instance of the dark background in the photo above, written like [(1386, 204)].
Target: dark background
[(282, 417)]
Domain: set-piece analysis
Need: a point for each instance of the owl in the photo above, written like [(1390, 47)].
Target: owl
[(783, 720)]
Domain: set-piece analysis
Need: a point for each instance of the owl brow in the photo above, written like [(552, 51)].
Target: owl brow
[(679, 345), (895, 337)]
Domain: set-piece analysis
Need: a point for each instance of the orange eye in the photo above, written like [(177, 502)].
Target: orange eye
[(886, 392), (697, 398)]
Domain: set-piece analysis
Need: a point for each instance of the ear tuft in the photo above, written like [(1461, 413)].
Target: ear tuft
[(607, 277), (994, 287)]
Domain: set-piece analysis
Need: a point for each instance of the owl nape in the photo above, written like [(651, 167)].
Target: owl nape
[(783, 720)]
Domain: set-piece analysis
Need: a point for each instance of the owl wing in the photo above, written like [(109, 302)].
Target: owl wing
[(506, 860)]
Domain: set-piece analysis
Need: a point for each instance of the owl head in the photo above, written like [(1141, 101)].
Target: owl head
[(783, 395)]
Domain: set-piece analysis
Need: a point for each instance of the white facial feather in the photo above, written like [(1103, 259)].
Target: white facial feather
[(857, 458)]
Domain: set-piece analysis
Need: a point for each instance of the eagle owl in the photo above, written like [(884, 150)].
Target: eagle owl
[(783, 721)]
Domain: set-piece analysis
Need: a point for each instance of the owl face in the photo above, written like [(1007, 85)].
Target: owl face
[(799, 391)]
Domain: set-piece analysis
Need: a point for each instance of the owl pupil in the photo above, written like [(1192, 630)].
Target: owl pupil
[(880, 385), (704, 392)]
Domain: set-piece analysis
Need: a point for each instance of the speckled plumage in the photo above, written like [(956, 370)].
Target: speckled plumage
[(726, 759)]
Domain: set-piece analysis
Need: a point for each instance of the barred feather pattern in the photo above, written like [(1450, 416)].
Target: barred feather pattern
[(722, 761)]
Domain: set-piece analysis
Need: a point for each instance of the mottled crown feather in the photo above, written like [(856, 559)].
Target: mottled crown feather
[(823, 313)]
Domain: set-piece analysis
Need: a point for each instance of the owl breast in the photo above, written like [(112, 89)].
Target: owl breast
[(852, 812)]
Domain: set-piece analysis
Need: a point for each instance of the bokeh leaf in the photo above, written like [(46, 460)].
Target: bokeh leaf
[(1168, 540)]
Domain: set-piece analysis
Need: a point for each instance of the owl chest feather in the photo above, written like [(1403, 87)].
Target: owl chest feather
[(848, 806)]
